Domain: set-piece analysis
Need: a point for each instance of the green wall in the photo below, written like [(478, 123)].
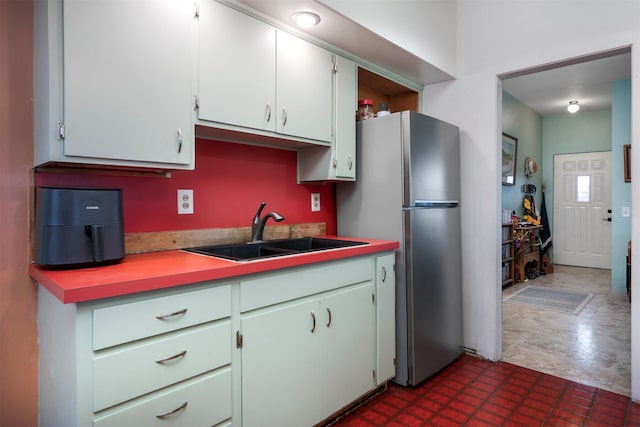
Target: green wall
[(621, 191), (523, 123), (582, 132)]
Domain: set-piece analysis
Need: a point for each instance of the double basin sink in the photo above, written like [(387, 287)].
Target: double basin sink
[(272, 248)]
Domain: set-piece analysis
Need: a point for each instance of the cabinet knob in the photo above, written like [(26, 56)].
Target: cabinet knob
[(350, 162), (384, 274), (284, 116), (313, 328), (329, 312)]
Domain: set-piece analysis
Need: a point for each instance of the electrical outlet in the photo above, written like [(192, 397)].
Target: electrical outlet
[(315, 202), (185, 202)]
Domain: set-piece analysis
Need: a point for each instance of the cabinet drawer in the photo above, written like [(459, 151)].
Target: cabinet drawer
[(208, 402), (128, 322), (131, 371)]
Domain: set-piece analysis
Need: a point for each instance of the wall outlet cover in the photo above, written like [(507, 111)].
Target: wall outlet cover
[(185, 202), (315, 202)]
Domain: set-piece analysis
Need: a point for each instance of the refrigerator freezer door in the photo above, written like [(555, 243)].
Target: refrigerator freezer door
[(434, 290), (431, 151)]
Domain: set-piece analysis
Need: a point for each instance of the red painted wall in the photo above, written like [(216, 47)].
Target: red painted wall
[(229, 182)]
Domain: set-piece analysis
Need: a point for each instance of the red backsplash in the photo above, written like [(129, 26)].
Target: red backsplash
[(229, 182)]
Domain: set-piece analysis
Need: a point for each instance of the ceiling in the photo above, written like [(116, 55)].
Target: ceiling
[(549, 91), (546, 89)]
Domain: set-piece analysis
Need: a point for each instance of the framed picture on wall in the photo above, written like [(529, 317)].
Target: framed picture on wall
[(627, 162), (509, 157)]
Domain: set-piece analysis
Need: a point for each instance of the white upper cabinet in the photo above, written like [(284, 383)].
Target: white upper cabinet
[(304, 75), (338, 162), (236, 68), (346, 93), (254, 77), (118, 80)]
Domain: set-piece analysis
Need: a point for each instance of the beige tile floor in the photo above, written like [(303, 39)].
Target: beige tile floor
[(593, 347)]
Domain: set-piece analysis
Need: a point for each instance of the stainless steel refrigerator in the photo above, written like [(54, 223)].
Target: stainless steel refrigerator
[(408, 189)]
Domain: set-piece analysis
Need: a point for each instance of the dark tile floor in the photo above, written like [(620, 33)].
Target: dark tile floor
[(476, 392)]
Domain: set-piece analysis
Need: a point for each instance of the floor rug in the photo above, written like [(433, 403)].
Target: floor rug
[(550, 299)]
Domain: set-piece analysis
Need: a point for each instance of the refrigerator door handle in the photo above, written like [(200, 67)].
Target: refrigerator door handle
[(436, 203)]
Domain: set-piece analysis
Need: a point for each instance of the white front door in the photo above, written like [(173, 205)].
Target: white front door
[(582, 209)]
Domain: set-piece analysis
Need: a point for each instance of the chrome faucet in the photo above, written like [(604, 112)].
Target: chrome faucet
[(257, 227)]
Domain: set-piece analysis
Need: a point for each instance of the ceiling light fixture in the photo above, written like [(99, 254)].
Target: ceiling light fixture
[(573, 106), (305, 19)]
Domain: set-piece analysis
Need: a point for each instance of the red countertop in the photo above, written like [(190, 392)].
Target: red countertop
[(159, 270)]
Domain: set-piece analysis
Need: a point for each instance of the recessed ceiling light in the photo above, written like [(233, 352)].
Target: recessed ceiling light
[(573, 106), (305, 19)]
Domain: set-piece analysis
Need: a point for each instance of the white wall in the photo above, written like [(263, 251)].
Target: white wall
[(427, 29), (495, 37)]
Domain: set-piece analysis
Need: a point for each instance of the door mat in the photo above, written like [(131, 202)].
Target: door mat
[(550, 299)]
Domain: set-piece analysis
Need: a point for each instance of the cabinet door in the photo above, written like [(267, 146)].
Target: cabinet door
[(347, 347), (127, 80), (385, 318), (345, 123), (303, 84), (280, 358), (236, 68)]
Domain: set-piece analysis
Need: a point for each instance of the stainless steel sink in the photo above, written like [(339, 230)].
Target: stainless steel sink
[(272, 248), (306, 244)]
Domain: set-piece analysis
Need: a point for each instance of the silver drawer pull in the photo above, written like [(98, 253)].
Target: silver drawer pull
[(166, 359), (170, 315), (173, 411)]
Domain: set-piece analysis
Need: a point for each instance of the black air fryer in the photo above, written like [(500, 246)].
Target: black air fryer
[(79, 227)]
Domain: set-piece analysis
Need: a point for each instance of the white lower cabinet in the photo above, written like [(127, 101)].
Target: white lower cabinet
[(163, 359), (303, 361), (385, 318), (280, 366), (284, 348), (307, 354)]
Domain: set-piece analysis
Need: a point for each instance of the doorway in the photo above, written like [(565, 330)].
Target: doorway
[(551, 334)]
